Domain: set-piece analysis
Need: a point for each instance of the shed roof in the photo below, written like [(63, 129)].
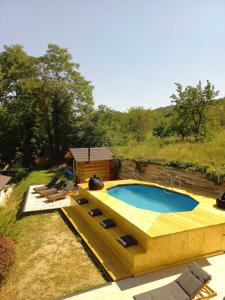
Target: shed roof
[(96, 154), (3, 181)]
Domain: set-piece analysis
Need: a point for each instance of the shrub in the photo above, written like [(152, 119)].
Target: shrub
[(18, 172), (7, 256)]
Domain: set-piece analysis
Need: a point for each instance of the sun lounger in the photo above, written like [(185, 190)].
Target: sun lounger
[(71, 188), (57, 187), (49, 185), (192, 284), (57, 196), (68, 188)]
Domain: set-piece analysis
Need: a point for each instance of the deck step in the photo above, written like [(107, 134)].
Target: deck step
[(101, 249), (113, 232)]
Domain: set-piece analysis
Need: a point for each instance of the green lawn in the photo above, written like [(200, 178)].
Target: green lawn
[(208, 157), (51, 260)]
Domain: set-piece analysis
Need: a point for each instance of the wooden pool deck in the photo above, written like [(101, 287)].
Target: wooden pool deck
[(101, 249), (164, 239), (157, 224)]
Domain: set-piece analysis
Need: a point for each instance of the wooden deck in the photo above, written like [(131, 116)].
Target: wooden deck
[(156, 224), (164, 239), (98, 246)]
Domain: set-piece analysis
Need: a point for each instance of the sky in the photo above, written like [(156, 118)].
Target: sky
[(133, 51)]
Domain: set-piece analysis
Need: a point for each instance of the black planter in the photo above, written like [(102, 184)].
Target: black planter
[(95, 183), (220, 201)]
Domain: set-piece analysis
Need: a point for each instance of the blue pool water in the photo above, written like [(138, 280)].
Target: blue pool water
[(152, 198)]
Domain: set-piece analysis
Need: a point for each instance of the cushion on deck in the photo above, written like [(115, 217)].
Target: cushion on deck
[(82, 201), (170, 291), (47, 191), (39, 188), (199, 273), (95, 212), (189, 283), (57, 195), (107, 223), (127, 240)]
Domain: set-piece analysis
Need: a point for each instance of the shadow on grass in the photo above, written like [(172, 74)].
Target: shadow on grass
[(90, 254), (21, 214)]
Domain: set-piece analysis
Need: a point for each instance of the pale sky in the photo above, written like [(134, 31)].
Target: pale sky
[(131, 50)]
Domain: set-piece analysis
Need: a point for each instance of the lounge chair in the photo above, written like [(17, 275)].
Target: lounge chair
[(57, 187), (192, 284), (49, 185), (57, 196), (69, 188)]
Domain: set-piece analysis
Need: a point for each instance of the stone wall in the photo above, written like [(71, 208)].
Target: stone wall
[(5, 194), (160, 174)]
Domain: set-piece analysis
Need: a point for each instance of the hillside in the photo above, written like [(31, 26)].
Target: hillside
[(207, 157)]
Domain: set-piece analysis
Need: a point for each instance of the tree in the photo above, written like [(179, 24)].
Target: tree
[(41, 99), (191, 107), (63, 97), (162, 129), (17, 106), (138, 122)]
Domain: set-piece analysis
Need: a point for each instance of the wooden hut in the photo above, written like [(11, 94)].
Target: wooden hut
[(90, 161)]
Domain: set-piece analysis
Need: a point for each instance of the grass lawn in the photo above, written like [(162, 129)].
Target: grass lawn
[(208, 156), (51, 261)]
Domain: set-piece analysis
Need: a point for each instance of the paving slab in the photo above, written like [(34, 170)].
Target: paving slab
[(36, 203)]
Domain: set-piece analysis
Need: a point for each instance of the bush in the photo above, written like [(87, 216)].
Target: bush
[(18, 172), (7, 256)]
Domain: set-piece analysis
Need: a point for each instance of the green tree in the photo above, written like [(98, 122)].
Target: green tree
[(63, 97), (138, 122), (41, 99), (191, 107)]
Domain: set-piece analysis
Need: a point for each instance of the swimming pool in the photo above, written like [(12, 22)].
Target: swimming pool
[(152, 198)]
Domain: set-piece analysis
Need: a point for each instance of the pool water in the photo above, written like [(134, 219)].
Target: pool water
[(152, 198)]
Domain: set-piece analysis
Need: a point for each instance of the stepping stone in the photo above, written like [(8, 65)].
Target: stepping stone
[(107, 223), (82, 201), (95, 212), (127, 240)]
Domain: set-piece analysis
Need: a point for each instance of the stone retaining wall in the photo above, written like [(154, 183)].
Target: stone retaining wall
[(160, 174), (4, 195)]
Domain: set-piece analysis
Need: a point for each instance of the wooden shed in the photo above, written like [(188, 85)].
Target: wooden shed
[(90, 161)]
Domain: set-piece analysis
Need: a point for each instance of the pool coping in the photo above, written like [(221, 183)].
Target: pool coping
[(156, 224)]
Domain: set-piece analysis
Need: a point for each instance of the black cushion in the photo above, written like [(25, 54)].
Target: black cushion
[(127, 240), (107, 223), (95, 212), (189, 283), (199, 273), (171, 291), (82, 201)]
